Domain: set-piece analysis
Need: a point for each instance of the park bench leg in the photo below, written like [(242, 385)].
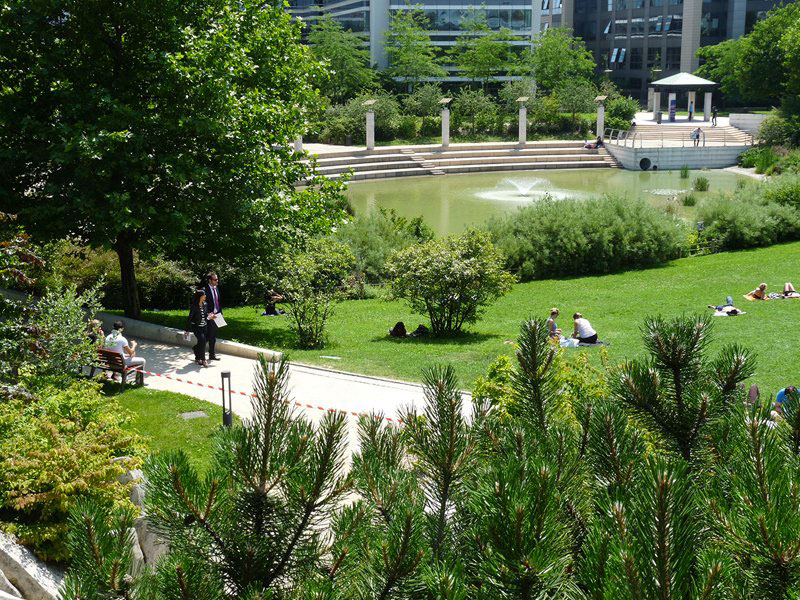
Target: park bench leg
[(124, 378)]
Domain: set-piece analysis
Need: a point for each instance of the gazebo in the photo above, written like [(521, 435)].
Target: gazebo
[(682, 82)]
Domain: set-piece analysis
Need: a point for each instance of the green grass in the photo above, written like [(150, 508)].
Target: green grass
[(615, 305), (155, 417)]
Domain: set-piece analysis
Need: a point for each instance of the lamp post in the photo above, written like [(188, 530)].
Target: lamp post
[(445, 121), (227, 411), (523, 120), (601, 115), (370, 124)]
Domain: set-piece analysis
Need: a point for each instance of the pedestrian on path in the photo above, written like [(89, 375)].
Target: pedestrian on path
[(214, 308), (691, 110), (198, 323), (714, 112)]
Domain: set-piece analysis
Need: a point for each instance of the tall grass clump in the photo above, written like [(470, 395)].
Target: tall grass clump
[(586, 236), (701, 184), (685, 172), (689, 200)]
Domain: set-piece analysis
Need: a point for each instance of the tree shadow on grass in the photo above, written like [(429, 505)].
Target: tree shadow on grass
[(466, 338)]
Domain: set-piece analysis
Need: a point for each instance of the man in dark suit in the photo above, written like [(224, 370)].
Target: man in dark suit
[(214, 307)]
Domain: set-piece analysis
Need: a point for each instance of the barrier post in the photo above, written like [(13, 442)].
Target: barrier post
[(227, 412)]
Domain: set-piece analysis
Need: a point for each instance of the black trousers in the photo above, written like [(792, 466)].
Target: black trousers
[(592, 339), (212, 337), (199, 348)]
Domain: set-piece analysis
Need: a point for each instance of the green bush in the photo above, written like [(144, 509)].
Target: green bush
[(372, 238), (586, 236), (312, 283), (684, 172), (622, 107), (450, 280), (57, 446), (475, 109), (779, 130), (765, 160), (407, 127), (783, 190), (617, 123), (700, 184), (788, 164), (431, 126), (688, 200), (162, 283)]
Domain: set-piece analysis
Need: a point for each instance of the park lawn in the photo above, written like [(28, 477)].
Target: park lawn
[(615, 304), (155, 416)]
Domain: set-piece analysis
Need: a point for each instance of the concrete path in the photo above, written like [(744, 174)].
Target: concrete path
[(316, 390)]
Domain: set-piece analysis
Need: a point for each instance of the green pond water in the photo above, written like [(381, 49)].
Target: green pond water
[(450, 203)]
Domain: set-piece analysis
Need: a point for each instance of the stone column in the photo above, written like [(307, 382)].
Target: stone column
[(370, 129), (670, 101), (692, 102), (707, 106), (690, 35), (445, 127), (298, 143), (523, 125), (601, 119), (656, 105)]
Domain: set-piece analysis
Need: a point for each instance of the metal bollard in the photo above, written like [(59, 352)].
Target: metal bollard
[(227, 413)]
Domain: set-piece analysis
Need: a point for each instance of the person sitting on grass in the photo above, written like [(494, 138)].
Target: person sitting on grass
[(760, 293), (789, 291), (583, 331), (552, 328), (271, 297)]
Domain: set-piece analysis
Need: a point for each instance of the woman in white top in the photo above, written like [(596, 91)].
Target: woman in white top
[(583, 331), (118, 343)]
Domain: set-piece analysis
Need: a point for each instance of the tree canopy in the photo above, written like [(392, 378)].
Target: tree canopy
[(556, 56), (347, 58), (482, 53), (157, 126), (412, 57)]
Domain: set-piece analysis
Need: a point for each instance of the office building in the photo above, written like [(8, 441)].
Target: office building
[(633, 41)]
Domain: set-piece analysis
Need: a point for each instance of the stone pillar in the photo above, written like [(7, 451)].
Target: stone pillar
[(672, 106), (298, 143), (370, 130), (690, 35), (692, 102), (656, 105), (445, 127), (707, 106), (523, 125), (601, 119)]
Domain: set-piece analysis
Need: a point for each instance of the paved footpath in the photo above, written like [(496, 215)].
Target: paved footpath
[(321, 389)]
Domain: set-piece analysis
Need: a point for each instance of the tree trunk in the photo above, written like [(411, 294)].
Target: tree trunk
[(130, 293)]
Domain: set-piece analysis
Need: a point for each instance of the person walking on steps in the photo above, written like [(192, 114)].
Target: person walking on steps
[(714, 112), (214, 308), (198, 324)]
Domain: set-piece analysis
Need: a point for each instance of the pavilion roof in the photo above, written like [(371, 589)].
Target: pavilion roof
[(683, 81)]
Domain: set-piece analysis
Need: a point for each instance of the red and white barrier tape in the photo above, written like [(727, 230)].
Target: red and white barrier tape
[(298, 404)]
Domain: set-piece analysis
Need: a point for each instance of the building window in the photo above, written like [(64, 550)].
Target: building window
[(655, 25), (674, 24), (713, 24), (607, 29), (653, 58), (614, 55), (637, 27), (621, 28), (621, 5), (656, 2), (610, 5), (673, 58), (637, 4), (636, 58), (751, 18), (545, 4), (621, 59), (556, 7)]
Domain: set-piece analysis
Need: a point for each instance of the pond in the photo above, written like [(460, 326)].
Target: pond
[(450, 203)]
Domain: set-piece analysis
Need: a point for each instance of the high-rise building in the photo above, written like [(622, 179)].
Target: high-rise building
[(633, 41)]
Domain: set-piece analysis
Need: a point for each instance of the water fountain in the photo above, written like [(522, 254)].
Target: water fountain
[(523, 189)]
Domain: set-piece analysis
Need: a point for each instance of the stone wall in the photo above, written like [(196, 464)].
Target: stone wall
[(747, 122), (709, 157)]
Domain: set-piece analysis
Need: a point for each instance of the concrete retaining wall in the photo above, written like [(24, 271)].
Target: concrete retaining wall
[(747, 122), (140, 329), (710, 157)]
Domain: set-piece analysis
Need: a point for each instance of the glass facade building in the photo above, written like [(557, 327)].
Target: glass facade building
[(632, 40)]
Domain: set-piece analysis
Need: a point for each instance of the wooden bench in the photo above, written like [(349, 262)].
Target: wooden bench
[(108, 360)]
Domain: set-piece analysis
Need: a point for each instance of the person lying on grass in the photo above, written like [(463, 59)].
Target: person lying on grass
[(760, 293), (789, 291), (727, 309)]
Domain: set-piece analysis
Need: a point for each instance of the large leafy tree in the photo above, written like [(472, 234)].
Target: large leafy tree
[(482, 53), (347, 57), (555, 57), (162, 125), (412, 57)]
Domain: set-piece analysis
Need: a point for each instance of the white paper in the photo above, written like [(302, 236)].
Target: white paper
[(219, 320)]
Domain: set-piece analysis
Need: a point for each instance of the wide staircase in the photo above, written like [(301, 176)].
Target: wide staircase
[(680, 135), (396, 161)]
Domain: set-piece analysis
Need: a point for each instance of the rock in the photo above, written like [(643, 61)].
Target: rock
[(132, 475), (7, 587), (34, 579), (152, 547), (5, 596), (137, 556), (137, 495)]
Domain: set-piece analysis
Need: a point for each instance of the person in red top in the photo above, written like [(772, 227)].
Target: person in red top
[(214, 308)]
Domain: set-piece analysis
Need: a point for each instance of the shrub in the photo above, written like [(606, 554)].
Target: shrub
[(788, 164), (586, 236), (685, 172), (700, 184), (765, 160), (162, 283), (475, 107), (622, 107), (778, 130), (407, 127), (747, 159), (374, 237), (314, 280), (783, 190), (617, 123), (451, 280), (431, 126), (689, 200), (57, 446)]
